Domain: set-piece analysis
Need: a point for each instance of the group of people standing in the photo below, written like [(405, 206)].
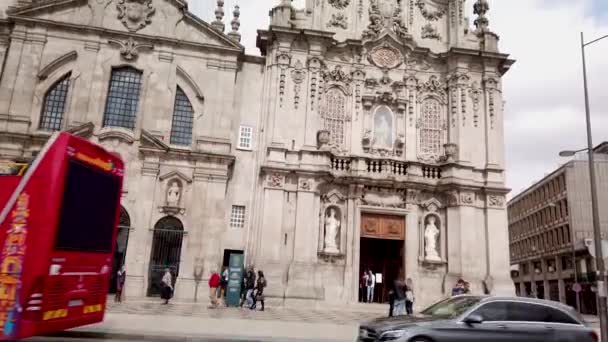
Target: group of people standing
[(401, 298), (252, 289)]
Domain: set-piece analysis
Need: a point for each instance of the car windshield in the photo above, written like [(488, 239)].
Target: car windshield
[(451, 308)]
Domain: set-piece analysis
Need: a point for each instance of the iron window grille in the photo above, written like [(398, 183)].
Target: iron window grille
[(183, 114), (53, 108), (237, 216), (123, 98)]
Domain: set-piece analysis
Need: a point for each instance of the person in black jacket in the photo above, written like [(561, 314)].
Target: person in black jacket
[(399, 295), (250, 286)]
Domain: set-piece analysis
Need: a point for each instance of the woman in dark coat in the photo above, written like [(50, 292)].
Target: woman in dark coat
[(259, 295)]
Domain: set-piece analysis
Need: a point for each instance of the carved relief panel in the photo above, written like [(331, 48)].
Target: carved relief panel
[(383, 227)]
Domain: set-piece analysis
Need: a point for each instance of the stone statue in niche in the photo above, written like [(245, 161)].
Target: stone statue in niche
[(174, 194), (383, 128), (332, 230), (431, 234)]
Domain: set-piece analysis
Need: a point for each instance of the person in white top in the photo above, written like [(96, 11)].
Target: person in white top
[(167, 286), (371, 283)]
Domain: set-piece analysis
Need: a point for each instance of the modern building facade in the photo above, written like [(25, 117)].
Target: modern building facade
[(551, 231), (368, 135)]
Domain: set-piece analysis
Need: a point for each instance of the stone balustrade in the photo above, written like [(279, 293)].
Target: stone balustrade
[(382, 168)]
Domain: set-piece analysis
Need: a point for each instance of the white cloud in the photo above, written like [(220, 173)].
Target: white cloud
[(543, 90)]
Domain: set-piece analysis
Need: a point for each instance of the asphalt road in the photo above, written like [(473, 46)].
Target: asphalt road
[(63, 339)]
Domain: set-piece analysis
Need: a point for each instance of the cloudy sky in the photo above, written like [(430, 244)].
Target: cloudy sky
[(543, 90)]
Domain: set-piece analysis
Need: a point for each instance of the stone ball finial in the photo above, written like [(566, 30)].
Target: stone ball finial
[(236, 24), (481, 8)]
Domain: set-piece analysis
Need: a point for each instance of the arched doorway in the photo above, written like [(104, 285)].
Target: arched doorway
[(120, 250), (166, 252)]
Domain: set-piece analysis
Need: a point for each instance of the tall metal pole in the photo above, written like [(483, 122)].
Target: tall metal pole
[(597, 232)]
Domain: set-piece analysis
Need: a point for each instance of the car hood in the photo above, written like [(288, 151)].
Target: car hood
[(401, 322)]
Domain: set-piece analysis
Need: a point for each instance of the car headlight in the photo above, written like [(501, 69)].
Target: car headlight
[(392, 335)]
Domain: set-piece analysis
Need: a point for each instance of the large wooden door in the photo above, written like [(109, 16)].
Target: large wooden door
[(382, 250)]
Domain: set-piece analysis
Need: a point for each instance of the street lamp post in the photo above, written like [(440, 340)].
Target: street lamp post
[(599, 257)]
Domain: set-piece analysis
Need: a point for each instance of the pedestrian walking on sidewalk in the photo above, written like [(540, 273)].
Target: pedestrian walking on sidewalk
[(166, 286), (250, 287), (121, 277), (259, 295), (399, 295), (214, 284)]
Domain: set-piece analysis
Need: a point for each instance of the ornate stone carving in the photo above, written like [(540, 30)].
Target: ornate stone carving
[(174, 194), (305, 184), (496, 201), (385, 57), (383, 198), (467, 198), (337, 75), (433, 85), (297, 74), (475, 94), (275, 180), (430, 32), (135, 14), (332, 230), (339, 4), (283, 60), (491, 85), (129, 49), (400, 145), (385, 14), (323, 138), (429, 15), (451, 150), (338, 20)]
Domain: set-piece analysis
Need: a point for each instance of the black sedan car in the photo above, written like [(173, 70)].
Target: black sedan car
[(483, 318)]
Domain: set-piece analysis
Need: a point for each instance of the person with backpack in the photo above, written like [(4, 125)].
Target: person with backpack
[(259, 295)]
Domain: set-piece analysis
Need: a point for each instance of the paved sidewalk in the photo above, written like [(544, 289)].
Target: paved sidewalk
[(149, 320)]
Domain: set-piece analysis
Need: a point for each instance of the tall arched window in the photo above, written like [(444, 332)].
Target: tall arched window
[(183, 114), (53, 108), (123, 98), (166, 251), (334, 112), (431, 128)]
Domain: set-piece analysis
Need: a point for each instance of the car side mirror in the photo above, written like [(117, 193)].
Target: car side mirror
[(473, 319)]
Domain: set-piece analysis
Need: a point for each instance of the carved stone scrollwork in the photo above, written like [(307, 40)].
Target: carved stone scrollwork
[(400, 145), (386, 57), (462, 198), (339, 4), (297, 74), (429, 15), (475, 94), (495, 201), (384, 198), (451, 151), (430, 32), (338, 20), (337, 75), (467, 198), (385, 14), (129, 49), (305, 184), (275, 180), (283, 60), (135, 14)]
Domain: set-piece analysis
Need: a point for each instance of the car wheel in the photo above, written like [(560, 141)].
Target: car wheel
[(420, 339)]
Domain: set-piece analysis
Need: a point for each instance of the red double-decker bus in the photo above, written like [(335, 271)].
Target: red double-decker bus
[(58, 224)]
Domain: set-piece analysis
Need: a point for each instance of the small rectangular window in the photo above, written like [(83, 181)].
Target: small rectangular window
[(237, 216), (246, 137)]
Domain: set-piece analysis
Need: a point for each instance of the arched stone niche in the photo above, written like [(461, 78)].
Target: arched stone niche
[(332, 226), (432, 233)]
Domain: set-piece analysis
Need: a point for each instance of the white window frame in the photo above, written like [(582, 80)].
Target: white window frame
[(243, 129), (237, 216)]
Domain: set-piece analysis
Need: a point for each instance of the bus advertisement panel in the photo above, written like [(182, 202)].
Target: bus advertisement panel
[(57, 232)]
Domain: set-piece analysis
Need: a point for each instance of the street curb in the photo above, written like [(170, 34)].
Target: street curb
[(100, 335)]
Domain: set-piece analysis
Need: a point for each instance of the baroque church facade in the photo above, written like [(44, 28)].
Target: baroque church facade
[(367, 136)]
